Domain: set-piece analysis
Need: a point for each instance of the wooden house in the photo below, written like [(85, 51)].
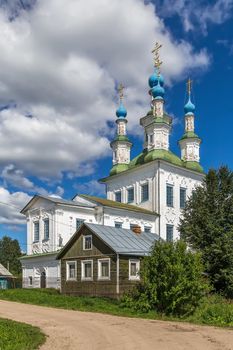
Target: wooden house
[(103, 261), (6, 278)]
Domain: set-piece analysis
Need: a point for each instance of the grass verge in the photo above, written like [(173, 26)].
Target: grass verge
[(213, 310), (19, 336)]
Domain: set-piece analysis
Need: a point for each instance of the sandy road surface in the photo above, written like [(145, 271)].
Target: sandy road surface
[(76, 330)]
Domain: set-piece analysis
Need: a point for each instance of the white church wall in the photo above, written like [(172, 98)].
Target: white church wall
[(127, 218), (169, 174), (32, 268), (62, 224), (135, 178), (177, 178), (65, 222), (40, 210)]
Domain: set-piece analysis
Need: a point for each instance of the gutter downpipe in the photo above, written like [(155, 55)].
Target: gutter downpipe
[(159, 198), (117, 276)]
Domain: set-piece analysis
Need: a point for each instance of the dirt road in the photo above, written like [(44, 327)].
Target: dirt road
[(74, 330)]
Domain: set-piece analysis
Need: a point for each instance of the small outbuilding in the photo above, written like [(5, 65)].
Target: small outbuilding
[(6, 278), (103, 261)]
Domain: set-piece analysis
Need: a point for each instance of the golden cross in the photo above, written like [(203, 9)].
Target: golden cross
[(121, 91), (189, 85), (155, 51)]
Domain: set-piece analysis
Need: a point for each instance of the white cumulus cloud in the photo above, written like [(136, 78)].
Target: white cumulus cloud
[(10, 206), (60, 63), (197, 15)]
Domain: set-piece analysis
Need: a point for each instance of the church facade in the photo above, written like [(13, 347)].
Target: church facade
[(156, 179), (149, 191)]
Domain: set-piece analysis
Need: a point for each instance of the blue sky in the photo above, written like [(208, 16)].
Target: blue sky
[(58, 88)]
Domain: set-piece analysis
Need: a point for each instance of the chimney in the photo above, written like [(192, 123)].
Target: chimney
[(137, 229)]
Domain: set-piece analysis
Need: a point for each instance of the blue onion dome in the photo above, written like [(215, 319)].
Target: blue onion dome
[(189, 107), (157, 91), (121, 112), (155, 78)]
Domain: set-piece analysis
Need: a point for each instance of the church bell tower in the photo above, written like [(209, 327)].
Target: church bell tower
[(121, 145), (157, 123), (190, 142)]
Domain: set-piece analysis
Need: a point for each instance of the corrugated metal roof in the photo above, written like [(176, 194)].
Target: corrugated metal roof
[(124, 241), (4, 271)]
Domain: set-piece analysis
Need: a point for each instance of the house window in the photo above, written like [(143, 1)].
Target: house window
[(87, 242), (46, 229), (130, 192), (30, 280), (147, 229), (79, 223), (144, 192), (71, 270), (134, 267), (169, 233), (118, 224), (182, 198), (118, 196), (87, 270), (36, 231), (151, 138), (104, 269), (169, 196)]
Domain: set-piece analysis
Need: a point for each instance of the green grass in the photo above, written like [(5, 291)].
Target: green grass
[(213, 310), (19, 336)]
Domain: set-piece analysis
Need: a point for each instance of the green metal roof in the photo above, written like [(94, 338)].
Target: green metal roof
[(160, 154), (164, 119), (157, 154), (118, 168), (118, 205), (194, 166), (32, 256), (121, 138), (190, 135)]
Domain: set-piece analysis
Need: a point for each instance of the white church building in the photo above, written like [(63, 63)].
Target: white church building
[(149, 191)]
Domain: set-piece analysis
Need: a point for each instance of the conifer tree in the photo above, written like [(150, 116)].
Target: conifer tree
[(207, 227), (9, 254)]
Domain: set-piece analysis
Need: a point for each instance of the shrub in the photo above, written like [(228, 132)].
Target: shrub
[(172, 281), (215, 310)]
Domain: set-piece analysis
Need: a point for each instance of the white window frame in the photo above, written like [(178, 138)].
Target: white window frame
[(146, 227), (83, 278), (185, 197), (168, 185), (168, 226), (34, 224), (120, 223), (84, 241), (118, 192), (131, 188), (46, 220), (137, 277), (68, 263), (104, 278), (143, 184), (30, 281)]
